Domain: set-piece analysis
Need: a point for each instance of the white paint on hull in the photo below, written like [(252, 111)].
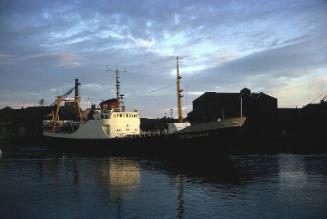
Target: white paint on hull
[(104, 126), (92, 129)]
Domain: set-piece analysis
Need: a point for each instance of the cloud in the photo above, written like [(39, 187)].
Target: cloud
[(301, 91), (58, 59), (289, 61), (6, 59), (225, 45), (92, 86)]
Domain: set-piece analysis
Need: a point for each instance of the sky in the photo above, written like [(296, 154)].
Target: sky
[(277, 47)]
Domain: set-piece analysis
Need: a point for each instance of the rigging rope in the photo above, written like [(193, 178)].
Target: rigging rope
[(317, 97), (162, 88)]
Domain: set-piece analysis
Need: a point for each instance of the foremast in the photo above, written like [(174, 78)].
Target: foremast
[(180, 125), (179, 94)]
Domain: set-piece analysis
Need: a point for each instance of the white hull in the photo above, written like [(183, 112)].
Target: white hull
[(104, 126), (92, 129)]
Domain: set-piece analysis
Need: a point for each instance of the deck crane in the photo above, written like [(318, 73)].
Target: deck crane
[(66, 94), (62, 98)]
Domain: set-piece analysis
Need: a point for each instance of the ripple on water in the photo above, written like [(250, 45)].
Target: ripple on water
[(268, 186)]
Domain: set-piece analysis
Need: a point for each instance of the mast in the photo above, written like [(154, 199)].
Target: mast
[(179, 94), (120, 96), (118, 88)]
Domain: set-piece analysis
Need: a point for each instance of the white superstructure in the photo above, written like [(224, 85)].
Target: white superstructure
[(105, 124)]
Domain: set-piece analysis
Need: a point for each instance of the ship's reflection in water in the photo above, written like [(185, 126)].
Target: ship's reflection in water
[(123, 179), (249, 186)]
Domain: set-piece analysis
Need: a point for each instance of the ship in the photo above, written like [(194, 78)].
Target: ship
[(116, 130)]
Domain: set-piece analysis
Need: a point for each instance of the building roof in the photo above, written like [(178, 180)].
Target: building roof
[(244, 91)]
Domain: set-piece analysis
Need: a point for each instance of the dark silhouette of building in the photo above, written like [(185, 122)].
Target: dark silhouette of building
[(314, 118), (288, 120), (311, 118), (22, 122), (259, 108), (304, 128)]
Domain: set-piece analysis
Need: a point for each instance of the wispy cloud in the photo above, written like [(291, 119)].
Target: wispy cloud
[(267, 45), (92, 86)]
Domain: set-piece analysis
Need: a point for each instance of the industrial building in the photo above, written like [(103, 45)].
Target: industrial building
[(22, 122), (259, 108)]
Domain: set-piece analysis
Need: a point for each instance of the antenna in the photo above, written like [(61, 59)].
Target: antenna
[(117, 85), (119, 96)]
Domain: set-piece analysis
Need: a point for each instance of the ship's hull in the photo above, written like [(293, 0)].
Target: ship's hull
[(204, 144)]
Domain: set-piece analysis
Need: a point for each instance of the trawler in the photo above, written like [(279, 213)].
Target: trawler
[(117, 130)]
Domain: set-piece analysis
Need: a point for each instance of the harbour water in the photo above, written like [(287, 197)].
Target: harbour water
[(39, 184)]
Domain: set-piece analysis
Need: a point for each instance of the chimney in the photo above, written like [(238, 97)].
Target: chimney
[(77, 84)]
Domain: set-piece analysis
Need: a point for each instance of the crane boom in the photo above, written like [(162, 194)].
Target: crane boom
[(66, 94)]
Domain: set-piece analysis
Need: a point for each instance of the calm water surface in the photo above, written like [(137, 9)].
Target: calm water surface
[(44, 185)]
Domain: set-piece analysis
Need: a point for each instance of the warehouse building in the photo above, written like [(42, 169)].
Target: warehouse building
[(259, 108)]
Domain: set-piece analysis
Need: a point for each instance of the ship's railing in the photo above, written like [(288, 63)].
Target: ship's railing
[(61, 126), (120, 110), (154, 132), (148, 133)]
